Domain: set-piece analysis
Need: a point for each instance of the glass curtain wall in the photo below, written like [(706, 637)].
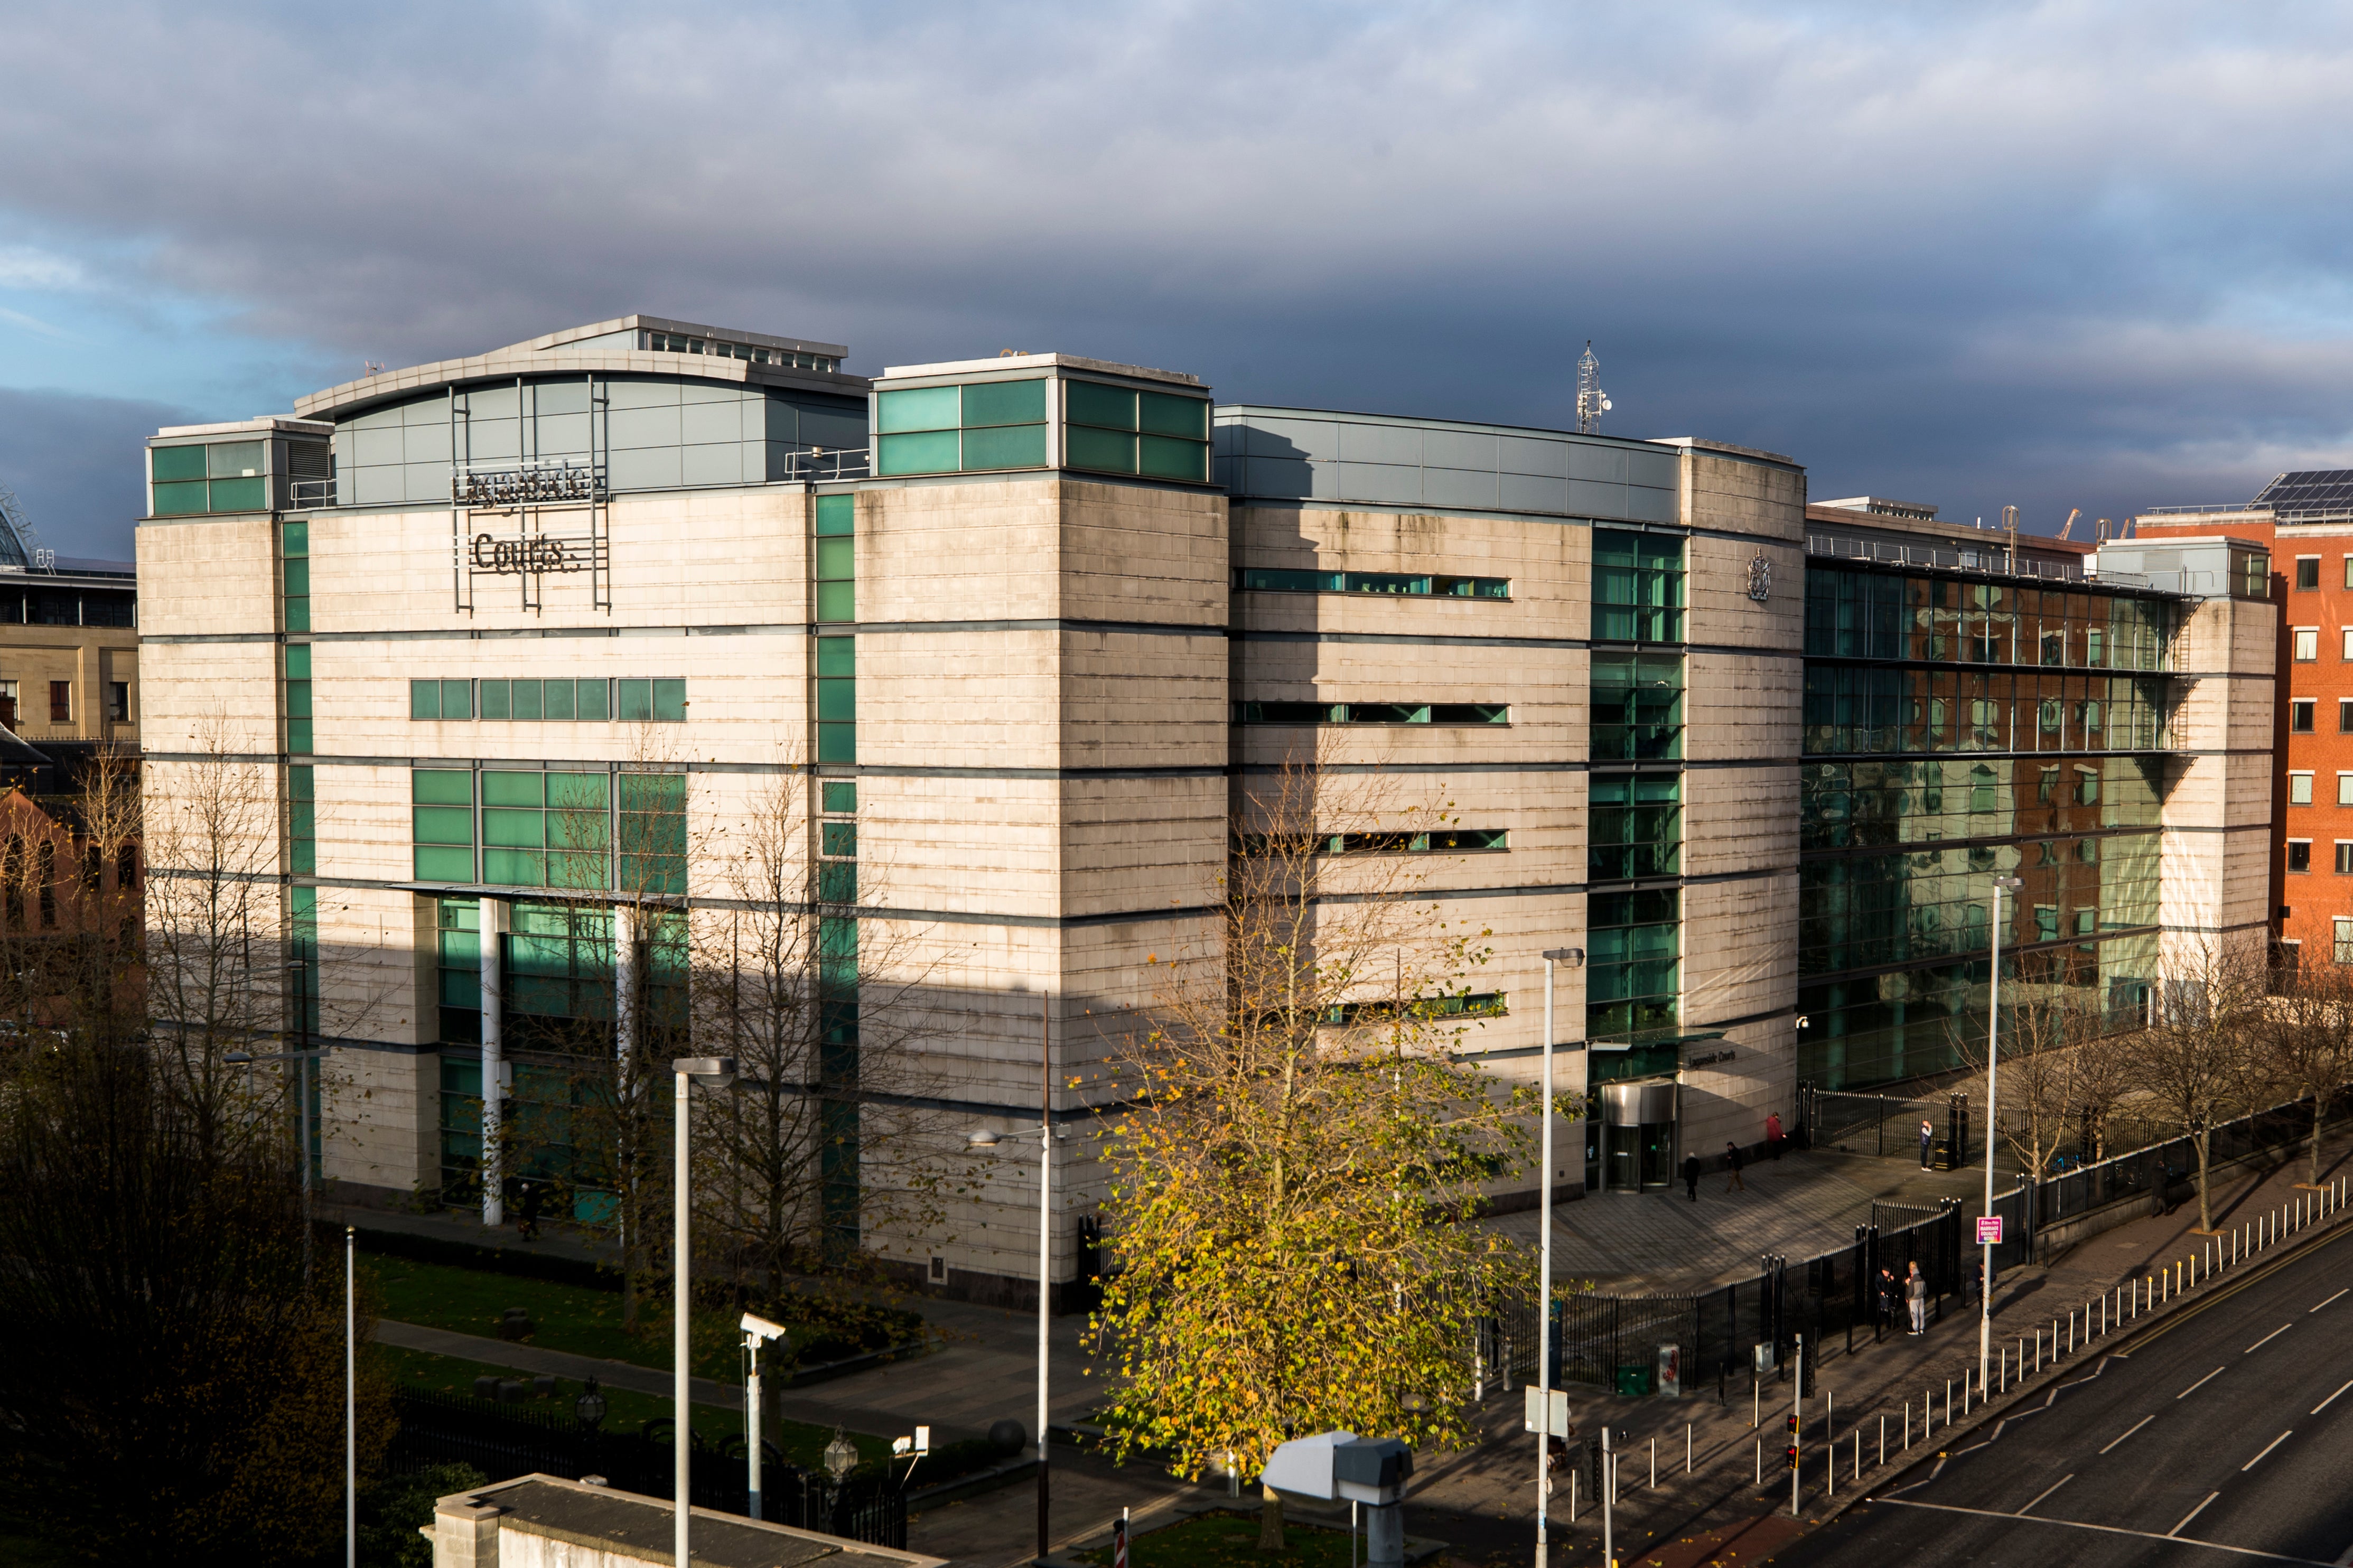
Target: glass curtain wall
[(1957, 731)]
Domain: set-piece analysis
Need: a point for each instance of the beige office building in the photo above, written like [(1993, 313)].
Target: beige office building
[(1019, 632)]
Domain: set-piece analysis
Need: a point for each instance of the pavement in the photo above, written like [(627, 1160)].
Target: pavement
[(1481, 1500), (1801, 1205)]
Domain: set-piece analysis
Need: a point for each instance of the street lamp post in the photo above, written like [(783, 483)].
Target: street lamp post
[(718, 1072), (988, 1140), (756, 1329), (1993, 1050), (1569, 956)]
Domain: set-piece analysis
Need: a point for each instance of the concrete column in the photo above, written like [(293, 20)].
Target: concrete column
[(492, 922), (624, 984)]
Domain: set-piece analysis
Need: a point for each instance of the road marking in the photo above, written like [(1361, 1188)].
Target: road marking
[(2045, 1492), (2134, 1427), (2110, 1530), (2267, 1338), (2274, 1443), (2200, 1384), (2338, 1297), (2193, 1513), (2329, 1401)]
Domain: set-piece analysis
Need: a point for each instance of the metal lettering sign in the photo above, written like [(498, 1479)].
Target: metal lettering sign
[(1760, 578), (516, 553)]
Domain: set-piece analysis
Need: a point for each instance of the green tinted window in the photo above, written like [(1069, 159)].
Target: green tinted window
[(239, 495), (294, 539), (494, 698), (838, 839), (298, 579), (1004, 402), (175, 463), (918, 409), (592, 700), (297, 661), (1103, 450), (444, 824), (441, 786), (836, 656), (233, 459), (435, 864), (297, 614), (837, 514), (1091, 403), (837, 560), (514, 829), (637, 702), (1011, 446), (932, 452), (841, 798), (180, 499), (424, 699), (514, 789), (523, 700), (1160, 415), (1162, 457), (578, 791), (669, 701), (555, 700)]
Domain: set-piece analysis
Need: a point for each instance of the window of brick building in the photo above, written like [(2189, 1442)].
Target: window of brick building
[(2300, 715), (61, 702), (2307, 571)]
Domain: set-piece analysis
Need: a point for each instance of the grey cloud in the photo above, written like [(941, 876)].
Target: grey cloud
[(73, 462), (1973, 254)]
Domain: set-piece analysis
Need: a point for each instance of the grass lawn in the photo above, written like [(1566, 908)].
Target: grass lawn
[(1225, 1540), (625, 1409), (563, 1317)]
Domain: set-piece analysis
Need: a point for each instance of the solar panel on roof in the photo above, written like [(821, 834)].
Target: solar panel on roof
[(2309, 495)]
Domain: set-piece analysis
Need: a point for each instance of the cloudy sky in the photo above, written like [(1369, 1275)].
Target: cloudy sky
[(2057, 255)]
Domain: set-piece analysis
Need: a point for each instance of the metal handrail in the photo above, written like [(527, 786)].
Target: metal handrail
[(822, 463), (2248, 509), (305, 495), (1991, 560)]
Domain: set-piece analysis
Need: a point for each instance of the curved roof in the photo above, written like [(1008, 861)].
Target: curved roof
[(17, 540), (592, 350)]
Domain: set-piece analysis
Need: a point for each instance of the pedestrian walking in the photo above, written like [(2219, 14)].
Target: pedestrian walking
[(1916, 1291), (1927, 1144), (1691, 1175), (527, 1223), (1887, 1293), (1773, 1135), (1731, 1167)]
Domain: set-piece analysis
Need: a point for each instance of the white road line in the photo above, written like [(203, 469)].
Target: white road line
[(2267, 1338), (2200, 1384), (2045, 1492), (2338, 1297), (2193, 1513), (2274, 1443), (2130, 1430), (1893, 1502), (2329, 1401)]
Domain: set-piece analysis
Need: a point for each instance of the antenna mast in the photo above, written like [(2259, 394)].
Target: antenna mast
[(1592, 402)]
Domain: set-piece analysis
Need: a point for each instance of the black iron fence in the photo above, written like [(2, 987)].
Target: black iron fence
[(1652, 1344), (452, 1428)]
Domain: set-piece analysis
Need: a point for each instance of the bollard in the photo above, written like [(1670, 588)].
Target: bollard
[(1907, 1425), (1655, 1464), (1949, 1402), (1572, 1497), (1883, 1439), (1687, 1449), (1753, 1406), (1760, 1442)]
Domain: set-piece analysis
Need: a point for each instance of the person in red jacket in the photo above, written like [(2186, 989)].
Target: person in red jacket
[(1773, 1135)]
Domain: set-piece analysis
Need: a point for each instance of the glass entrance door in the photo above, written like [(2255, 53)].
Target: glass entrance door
[(1657, 1140)]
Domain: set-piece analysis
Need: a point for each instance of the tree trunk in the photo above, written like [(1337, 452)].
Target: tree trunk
[(2205, 1200), (1269, 1519)]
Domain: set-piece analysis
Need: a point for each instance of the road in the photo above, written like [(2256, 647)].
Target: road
[(2223, 1435)]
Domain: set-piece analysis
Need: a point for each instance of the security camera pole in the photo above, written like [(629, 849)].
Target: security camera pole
[(1543, 1288), (756, 1329), (1993, 1047), (718, 1072)]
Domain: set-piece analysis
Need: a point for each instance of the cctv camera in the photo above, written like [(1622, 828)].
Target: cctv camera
[(761, 1327)]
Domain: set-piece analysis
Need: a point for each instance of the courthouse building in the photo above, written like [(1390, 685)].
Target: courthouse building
[(1030, 625)]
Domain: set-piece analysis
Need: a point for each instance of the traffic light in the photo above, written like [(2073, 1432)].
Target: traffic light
[(1793, 1428), (1792, 1452)]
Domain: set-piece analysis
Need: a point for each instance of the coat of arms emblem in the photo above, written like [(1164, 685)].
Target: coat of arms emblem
[(1760, 578)]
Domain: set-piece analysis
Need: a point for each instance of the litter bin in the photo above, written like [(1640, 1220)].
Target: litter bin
[(1635, 1381), (1949, 1157)]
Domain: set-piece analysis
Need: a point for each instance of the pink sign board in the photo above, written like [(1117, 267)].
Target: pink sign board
[(1990, 1229)]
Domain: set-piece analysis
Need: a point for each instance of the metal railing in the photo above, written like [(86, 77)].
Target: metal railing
[(1996, 559), (306, 495), (822, 463), (2232, 507)]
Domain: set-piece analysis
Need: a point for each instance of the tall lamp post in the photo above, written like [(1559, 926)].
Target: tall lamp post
[(986, 1139), (1993, 1050), (1572, 956), (717, 1072)]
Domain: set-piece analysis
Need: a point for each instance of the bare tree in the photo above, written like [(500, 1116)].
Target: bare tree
[(1299, 1141), (2310, 1042), (824, 1146), (2039, 1097), (218, 927), (2199, 1061)]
